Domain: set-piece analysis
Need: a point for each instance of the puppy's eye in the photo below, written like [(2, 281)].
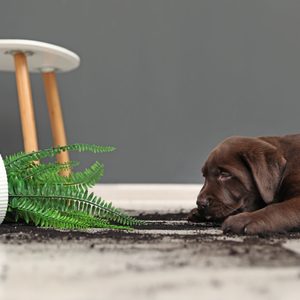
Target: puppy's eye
[(224, 176)]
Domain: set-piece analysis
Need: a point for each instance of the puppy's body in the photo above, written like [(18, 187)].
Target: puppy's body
[(253, 184)]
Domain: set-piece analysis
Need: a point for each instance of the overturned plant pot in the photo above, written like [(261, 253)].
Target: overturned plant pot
[(3, 191)]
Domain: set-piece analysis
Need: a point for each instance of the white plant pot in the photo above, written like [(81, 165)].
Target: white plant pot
[(3, 191)]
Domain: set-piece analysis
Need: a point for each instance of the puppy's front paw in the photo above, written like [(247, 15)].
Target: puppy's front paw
[(246, 223), (195, 216)]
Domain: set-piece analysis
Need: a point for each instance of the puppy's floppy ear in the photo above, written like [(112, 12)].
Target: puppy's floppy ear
[(266, 165)]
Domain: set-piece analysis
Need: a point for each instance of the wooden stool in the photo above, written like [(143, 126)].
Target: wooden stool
[(24, 56)]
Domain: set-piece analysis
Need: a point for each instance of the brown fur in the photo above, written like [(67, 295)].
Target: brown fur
[(252, 184)]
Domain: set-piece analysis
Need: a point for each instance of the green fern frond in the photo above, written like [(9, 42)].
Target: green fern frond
[(39, 195), (94, 222), (72, 199), (20, 158), (31, 213), (40, 171), (88, 178), (44, 217)]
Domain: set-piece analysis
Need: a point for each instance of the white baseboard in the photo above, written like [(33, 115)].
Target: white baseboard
[(150, 197)]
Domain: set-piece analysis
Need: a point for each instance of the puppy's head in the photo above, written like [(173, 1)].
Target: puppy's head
[(241, 174)]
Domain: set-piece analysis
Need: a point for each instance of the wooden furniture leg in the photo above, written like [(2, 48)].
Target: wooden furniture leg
[(25, 103), (56, 116)]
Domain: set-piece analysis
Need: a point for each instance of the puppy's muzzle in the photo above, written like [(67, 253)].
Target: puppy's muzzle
[(203, 202)]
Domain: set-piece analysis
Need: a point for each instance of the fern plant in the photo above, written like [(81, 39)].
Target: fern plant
[(39, 195)]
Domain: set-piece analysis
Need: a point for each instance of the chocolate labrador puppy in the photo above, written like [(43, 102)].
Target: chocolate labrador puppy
[(252, 184)]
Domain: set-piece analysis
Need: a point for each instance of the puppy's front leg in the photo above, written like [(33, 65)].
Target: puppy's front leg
[(278, 217)]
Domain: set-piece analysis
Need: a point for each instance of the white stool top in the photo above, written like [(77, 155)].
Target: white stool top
[(41, 57)]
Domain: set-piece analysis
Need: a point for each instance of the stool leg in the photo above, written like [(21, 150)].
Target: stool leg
[(25, 103), (56, 116)]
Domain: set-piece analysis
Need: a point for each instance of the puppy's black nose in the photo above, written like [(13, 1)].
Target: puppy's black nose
[(203, 202)]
